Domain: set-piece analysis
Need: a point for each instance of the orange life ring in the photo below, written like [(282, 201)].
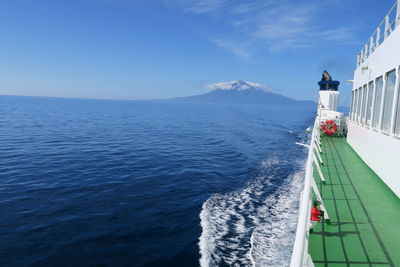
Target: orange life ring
[(329, 127)]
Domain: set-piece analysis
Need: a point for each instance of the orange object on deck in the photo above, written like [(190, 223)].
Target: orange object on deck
[(315, 212)]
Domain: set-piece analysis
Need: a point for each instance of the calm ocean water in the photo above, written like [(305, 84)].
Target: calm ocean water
[(98, 182)]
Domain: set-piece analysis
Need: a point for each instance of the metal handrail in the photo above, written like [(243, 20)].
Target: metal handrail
[(385, 28), (300, 247)]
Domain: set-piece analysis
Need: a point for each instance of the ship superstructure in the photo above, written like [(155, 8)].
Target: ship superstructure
[(374, 126), (355, 180)]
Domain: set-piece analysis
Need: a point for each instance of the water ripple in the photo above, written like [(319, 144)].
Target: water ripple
[(117, 182)]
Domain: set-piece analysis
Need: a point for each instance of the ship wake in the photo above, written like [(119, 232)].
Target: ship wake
[(255, 225)]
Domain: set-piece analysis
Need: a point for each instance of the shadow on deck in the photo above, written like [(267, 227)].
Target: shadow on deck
[(364, 212)]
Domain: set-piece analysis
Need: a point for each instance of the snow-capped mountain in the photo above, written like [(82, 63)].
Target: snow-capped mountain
[(238, 85), (242, 92)]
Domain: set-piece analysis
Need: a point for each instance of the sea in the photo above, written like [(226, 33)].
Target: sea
[(87, 182)]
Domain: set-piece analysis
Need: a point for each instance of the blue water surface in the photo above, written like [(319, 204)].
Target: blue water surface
[(108, 183)]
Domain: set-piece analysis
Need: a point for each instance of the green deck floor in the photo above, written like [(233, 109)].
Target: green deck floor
[(364, 212)]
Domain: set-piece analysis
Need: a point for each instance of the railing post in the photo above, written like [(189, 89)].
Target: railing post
[(387, 27), (366, 51), (371, 45), (321, 175), (303, 225), (398, 13), (362, 56), (319, 198), (378, 36), (319, 158)]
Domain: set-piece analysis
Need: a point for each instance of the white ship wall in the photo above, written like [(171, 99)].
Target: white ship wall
[(386, 57), (329, 99), (379, 150)]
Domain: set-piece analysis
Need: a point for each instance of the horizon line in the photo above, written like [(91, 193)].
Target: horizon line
[(121, 99)]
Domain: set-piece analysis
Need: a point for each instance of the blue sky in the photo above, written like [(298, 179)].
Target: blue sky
[(132, 49)]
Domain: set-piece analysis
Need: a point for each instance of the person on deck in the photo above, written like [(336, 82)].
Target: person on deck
[(315, 215)]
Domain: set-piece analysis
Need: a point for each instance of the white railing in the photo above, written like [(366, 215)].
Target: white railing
[(385, 28), (300, 248)]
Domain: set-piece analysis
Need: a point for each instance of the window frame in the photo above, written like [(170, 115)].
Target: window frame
[(364, 103), (377, 115), (369, 107), (359, 106), (352, 105), (384, 102), (356, 106), (396, 119)]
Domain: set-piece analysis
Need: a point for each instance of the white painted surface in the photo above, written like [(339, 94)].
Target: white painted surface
[(383, 31), (300, 255), (329, 99), (379, 151), (385, 58)]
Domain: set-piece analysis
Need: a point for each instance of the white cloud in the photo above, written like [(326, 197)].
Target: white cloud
[(237, 48), (260, 86), (275, 25), (287, 23), (199, 6), (338, 34)]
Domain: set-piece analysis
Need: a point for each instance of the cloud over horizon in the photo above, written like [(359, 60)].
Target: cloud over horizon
[(271, 25)]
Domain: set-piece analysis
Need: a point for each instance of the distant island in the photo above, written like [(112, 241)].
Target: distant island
[(242, 92)]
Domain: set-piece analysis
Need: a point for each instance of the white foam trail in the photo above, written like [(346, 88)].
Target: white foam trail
[(248, 226), (302, 144), (272, 240)]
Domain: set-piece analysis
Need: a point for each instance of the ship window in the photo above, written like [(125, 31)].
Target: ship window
[(377, 104), (369, 103), (397, 128), (355, 105), (352, 106), (364, 104), (359, 105), (388, 104)]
